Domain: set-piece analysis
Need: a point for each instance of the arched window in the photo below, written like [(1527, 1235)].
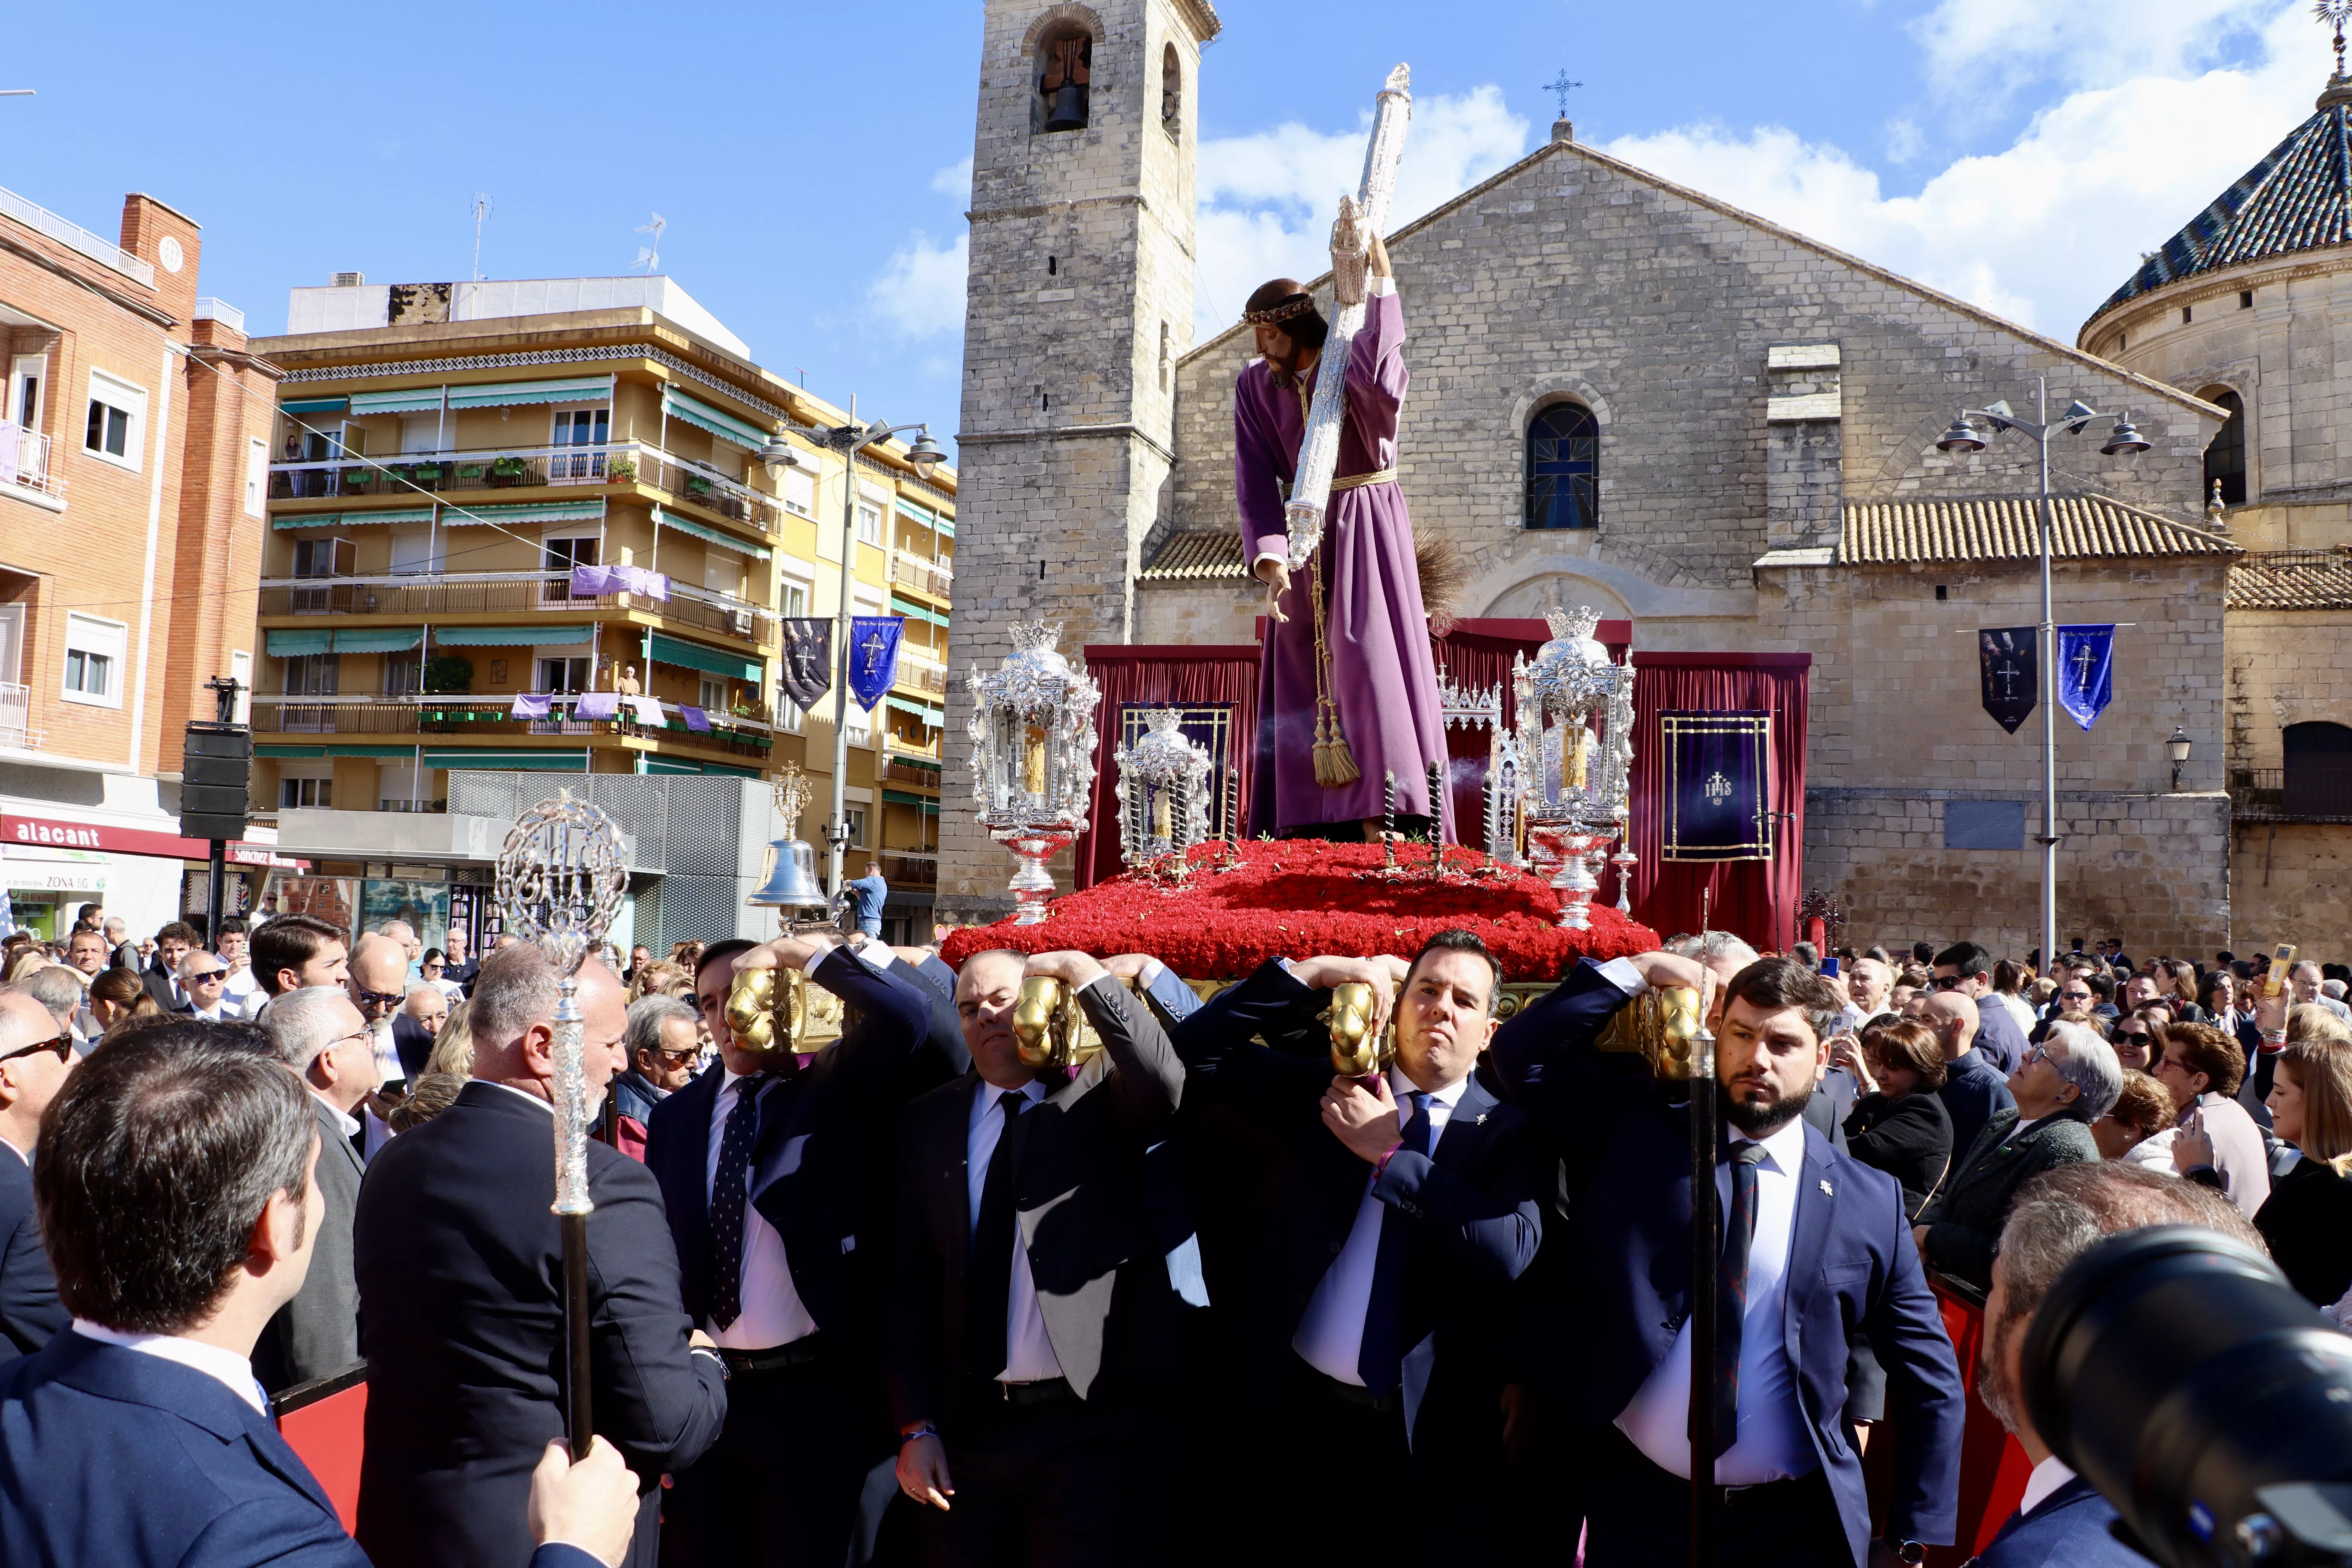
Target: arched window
[(1065, 64), (1172, 93), (1563, 462), (2318, 769), (2225, 456)]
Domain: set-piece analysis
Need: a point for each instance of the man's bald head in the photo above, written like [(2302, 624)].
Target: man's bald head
[(428, 1006), (379, 963), (22, 1021), (1954, 1018)]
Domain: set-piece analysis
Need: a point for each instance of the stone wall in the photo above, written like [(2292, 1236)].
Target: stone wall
[(2286, 666), (2292, 881)]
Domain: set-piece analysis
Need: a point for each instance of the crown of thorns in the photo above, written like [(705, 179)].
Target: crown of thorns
[(1281, 311)]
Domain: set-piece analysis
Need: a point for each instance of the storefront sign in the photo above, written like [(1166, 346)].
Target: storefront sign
[(63, 833)]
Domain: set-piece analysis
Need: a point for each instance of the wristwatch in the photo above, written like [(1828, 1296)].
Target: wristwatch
[(1911, 1551), (924, 1430)]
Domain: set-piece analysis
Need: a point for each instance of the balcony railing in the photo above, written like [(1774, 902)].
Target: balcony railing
[(25, 461), (2314, 792), (465, 593), (906, 868), (925, 576), (525, 467), (488, 719), (17, 717), (904, 747), (898, 770), (922, 675)]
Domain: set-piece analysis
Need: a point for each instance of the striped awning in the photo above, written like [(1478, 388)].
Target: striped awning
[(313, 405), (931, 716), (395, 639), (684, 655), (408, 400), (725, 425), (528, 512), (709, 536), (510, 636), (385, 517), (297, 643), (899, 606), (510, 762), (512, 394)]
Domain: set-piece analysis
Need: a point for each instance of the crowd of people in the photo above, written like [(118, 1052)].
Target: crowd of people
[(915, 1298)]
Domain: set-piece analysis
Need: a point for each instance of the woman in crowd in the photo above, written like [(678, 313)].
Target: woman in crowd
[(1899, 1125), (660, 979), (432, 968), (453, 1048), (2010, 979), (25, 964), (2134, 1037), (117, 995), (2308, 1217), (2143, 1109), (2179, 990)]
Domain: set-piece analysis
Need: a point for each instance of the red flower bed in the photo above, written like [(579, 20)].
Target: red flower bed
[(1301, 897)]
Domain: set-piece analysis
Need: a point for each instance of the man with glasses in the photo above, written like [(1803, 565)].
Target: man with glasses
[(1966, 969), (36, 1056), (664, 1037), (204, 977), (322, 1040), (378, 984)]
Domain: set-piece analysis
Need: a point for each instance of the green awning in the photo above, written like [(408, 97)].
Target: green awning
[(388, 516), (921, 514), (931, 716), (726, 427), (900, 797), (899, 606), (678, 651), (511, 393), (306, 520), (407, 400), (529, 511), (297, 643), (509, 636), (398, 753), (510, 762), (313, 405), (398, 640), (671, 765), (709, 536), (285, 752)]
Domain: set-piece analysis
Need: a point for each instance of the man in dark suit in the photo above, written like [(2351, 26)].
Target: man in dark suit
[(152, 1442), (36, 1055), (1031, 1307), (1966, 970), (1813, 1240), (1410, 1205), (766, 1170), (324, 1041), (2058, 1217), (173, 944), (1974, 1090), (460, 1267)]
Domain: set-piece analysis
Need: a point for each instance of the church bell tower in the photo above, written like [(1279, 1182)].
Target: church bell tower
[(1078, 305)]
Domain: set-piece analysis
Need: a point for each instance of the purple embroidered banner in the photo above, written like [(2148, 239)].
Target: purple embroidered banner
[(1718, 796)]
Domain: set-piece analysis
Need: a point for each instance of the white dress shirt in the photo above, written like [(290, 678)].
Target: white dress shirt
[(233, 1371), (771, 1310), (1773, 1443), (2048, 1476), (1028, 1351), (1330, 1334), (343, 1119), (243, 992)]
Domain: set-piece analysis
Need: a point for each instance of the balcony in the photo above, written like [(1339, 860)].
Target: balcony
[(528, 468), (484, 718), (24, 465), (935, 578), (910, 868), (2310, 794), (900, 745), (17, 729), (898, 770), (922, 675), (422, 594)]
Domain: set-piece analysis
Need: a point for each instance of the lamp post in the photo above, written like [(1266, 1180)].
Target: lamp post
[(2122, 441), (2179, 747), (848, 440)]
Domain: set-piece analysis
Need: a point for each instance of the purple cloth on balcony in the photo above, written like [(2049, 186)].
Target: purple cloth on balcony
[(527, 706), (648, 710), (592, 582), (637, 580), (597, 705), (696, 719)]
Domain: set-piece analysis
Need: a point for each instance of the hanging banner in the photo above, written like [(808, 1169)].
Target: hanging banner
[(2009, 668), (1719, 786), (874, 656), (808, 659), (2087, 671)]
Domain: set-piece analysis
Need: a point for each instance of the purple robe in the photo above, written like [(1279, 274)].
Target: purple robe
[(1383, 678)]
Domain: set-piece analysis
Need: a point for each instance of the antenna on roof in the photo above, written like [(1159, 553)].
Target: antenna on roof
[(2335, 13), (649, 256), (482, 206)]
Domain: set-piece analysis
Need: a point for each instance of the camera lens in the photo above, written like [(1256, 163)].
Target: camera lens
[(2177, 1371)]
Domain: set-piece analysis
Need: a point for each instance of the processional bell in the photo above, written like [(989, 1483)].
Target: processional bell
[(793, 884)]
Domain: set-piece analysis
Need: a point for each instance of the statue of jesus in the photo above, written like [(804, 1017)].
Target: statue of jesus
[(1347, 687)]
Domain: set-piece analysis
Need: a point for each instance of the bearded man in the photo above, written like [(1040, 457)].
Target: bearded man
[(1348, 687)]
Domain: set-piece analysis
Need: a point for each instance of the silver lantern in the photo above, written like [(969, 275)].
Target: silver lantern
[(1575, 744), (1033, 761), (1163, 790)]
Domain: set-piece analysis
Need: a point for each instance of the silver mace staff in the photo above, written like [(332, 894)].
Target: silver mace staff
[(559, 879)]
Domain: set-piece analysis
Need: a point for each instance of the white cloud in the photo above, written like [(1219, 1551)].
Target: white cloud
[(2045, 229), (920, 291), (1268, 199), (1984, 52), (955, 180)]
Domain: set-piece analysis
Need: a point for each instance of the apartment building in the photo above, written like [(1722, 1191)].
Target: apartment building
[(132, 468), (547, 527)]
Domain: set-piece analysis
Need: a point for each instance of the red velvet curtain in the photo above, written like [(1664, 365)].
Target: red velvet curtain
[(1752, 899), (1178, 676)]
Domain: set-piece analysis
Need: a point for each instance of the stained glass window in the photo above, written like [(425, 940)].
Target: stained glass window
[(1563, 452)]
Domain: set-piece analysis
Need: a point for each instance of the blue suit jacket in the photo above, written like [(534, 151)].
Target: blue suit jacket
[(2068, 1529), (1625, 1285), (117, 1457), (29, 1312)]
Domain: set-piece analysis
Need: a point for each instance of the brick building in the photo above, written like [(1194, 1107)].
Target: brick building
[(1743, 423), (132, 457)]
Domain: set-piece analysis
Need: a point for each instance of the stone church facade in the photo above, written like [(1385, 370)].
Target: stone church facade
[(1763, 412)]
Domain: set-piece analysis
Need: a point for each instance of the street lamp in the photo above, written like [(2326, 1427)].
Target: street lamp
[(848, 440), (777, 455), (1962, 439), (2179, 747)]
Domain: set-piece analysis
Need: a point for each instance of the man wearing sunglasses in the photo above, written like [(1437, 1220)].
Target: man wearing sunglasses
[(36, 1056), (204, 977), (1966, 969)]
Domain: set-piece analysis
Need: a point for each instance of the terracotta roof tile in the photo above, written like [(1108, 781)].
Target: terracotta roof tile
[(2004, 528), (2292, 580), (1196, 557)]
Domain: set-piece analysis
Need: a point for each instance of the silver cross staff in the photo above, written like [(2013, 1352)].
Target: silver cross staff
[(559, 880)]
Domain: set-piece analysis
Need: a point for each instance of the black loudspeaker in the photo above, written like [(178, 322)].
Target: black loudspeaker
[(216, 773)]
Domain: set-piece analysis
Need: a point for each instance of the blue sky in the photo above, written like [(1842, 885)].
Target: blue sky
[(2019, 154)]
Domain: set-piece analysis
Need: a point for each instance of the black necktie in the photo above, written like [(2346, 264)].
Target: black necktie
[(1731, 1292), (1380, 1356), (988, 1283), (728, 1199)]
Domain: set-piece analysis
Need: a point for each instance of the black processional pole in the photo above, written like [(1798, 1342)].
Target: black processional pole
[(1706, 1269)]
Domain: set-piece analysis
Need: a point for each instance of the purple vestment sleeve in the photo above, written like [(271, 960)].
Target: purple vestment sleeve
[(1258, 460)]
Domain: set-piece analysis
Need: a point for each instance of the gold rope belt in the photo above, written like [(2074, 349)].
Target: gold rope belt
[(1358, 481)]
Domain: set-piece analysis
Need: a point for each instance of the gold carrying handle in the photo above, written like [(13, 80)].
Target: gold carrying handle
[(1356, 1051), (1659, 1023), (1051, 1027), (776, 1012)]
